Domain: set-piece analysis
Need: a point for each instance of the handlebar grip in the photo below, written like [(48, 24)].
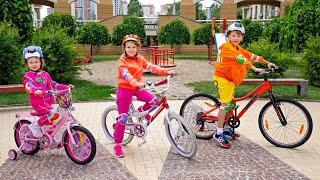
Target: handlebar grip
[(161, 82)]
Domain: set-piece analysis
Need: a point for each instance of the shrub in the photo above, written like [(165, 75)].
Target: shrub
[(11, 63), (94, 34), (272, 30), (61, 20), (59, 53), (19, 13), (130, 25), (174, 33), (302, 21), (253, 31), (270, 52), (311, 61)]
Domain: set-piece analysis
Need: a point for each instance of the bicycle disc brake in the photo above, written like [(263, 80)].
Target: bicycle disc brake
[(234, 122)]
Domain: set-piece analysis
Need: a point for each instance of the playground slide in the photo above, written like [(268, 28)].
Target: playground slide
[(219, 39)]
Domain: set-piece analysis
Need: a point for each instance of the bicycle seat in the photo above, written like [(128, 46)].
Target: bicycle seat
[(35, 113)]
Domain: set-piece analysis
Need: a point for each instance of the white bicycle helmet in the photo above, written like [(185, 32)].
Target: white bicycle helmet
[(236, 27)]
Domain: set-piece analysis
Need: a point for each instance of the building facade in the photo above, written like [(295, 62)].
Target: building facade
[(148, 10), (259, 11)]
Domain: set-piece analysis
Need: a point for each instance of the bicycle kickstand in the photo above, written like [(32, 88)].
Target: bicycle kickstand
[(142, 143)]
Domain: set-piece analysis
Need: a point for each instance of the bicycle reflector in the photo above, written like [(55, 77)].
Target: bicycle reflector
[(301, 129), (267, 124)]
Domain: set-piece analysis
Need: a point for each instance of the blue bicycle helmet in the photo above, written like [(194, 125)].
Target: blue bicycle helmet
[(32, 51)]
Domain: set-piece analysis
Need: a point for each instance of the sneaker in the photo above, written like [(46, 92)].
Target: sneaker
[(222, 140), (35, 128), (118, 151), (232, 133)]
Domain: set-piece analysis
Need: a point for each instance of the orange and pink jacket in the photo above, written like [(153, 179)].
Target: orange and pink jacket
[(228, 67), (130, 71)]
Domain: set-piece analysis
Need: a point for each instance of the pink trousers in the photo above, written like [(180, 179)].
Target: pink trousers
[(123, 101)]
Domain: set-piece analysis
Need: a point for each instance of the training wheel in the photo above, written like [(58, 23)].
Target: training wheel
[(12, 154)]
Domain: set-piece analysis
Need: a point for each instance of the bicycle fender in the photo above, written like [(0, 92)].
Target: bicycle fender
[(15, 126)]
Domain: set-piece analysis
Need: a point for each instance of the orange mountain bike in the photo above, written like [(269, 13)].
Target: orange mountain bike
[(283, 122)]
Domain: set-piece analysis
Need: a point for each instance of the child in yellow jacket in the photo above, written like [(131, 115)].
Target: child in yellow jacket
[(230, 70)]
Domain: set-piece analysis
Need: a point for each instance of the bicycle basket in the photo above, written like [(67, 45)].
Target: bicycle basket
[(64, 100)]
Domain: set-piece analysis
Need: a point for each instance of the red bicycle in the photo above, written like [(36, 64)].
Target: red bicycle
[(283, 122)]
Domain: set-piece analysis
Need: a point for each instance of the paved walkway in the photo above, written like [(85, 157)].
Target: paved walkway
[(250, 157)]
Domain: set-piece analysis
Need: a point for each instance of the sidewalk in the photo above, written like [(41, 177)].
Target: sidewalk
[(249, 156)]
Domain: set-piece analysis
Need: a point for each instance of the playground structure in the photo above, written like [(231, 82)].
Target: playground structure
[(161, 57), (217, 38)]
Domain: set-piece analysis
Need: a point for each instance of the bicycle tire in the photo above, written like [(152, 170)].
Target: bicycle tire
[(87, 143), (185, 130), (109, 116), (21, 129), (268, 120), (193, 106)]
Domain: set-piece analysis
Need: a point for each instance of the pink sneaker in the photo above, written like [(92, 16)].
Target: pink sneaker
[(118, 151)]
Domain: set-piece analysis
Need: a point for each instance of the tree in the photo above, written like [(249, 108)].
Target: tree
[(215, 10), (253, 31), (11, 65), (239, 13), (59, 53), (94, 34), (303, 20), (130, 25), (170, 9), (134, 8), (200, 15), (61, 20), (174, 33), (202, 36), (19, 13)]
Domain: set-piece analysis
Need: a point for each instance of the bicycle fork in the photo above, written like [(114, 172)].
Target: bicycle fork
[(277, 108)]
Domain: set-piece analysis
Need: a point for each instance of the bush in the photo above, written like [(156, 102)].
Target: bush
[(19, 13), (253, 31), (61, 20), (130, 25), (272, 30), (302, 21), (270, 52), (59, 53), (11, 63), (311, 61), (174, 33)]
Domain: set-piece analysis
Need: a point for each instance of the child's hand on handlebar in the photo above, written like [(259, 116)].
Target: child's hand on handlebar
[(271, 65), (71, 86), (260, 71)]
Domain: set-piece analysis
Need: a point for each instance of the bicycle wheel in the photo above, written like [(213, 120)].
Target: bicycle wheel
[(22, 131), (193, 107), (295, 132), (181, 136), (84, 150), (109, 119)]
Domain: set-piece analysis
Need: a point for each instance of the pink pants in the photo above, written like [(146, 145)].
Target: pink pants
[(42, 107), (123, 101)]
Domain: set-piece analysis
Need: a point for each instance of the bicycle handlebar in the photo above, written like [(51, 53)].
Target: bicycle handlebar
[(150, 85), (271, 70), (58, 92)]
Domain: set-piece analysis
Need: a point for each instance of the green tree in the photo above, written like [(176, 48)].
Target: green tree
[(253, 31), (130, 25), (202, 36), (174, 33), (11, 64), (303, 20), (93, 34), (272, 30), (59, 53), (134, 8), (239, 13), (170, 9), (215, 10), (19, 13), (200, 15), (61, 20)]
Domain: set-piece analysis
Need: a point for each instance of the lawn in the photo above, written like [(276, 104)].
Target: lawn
[(84, 91)]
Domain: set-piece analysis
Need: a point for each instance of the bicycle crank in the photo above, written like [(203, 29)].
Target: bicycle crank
[(234, 122)]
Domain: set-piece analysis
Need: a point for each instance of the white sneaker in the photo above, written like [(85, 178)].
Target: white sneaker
[(35, 128)]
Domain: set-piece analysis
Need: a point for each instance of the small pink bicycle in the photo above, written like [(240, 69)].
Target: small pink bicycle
[(78, 142)]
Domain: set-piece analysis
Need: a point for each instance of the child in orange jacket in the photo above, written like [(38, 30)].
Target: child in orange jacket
[(230, 70), (130, 68)]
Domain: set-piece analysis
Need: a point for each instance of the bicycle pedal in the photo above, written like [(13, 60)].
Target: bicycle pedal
[(142, 143)]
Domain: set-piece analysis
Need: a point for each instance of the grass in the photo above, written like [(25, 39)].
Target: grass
[(84, 91), (281, 91), (113, 57)]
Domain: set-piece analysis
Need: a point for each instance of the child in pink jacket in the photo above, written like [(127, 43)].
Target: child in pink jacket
[(36, 83)]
